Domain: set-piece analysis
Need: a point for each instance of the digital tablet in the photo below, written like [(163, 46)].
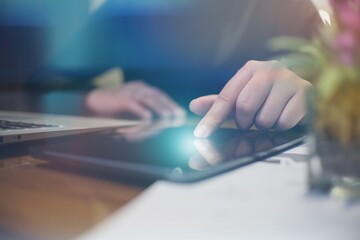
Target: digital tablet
[(169, 153)]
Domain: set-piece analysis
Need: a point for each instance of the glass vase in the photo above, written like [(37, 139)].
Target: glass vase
[(334, 144)]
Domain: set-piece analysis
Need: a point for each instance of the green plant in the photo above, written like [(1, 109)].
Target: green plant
[(332, 61)]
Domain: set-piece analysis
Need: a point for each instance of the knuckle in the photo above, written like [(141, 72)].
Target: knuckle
[(251, 64), (226, 96), (273, 69), (214, 117), (307, 85), (275, 64), (266, 76)]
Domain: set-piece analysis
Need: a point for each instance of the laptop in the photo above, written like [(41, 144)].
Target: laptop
[(25, 126)]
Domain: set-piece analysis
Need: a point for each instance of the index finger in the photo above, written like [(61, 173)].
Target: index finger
[(224, 103)]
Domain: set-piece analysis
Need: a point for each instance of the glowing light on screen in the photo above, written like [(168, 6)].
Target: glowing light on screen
[(187, 143)]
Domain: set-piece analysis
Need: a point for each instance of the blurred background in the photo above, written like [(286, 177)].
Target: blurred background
[(79, 45)]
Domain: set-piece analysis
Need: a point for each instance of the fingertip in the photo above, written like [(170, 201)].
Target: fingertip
[(192, 106), (200, 106), (202, 131)]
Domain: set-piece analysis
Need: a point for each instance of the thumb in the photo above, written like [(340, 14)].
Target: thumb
[(200, 106)]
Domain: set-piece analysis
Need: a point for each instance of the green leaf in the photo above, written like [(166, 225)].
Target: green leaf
[(287, 43), (329, 81)]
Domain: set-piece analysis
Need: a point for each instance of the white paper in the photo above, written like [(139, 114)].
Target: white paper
[(266, 200)]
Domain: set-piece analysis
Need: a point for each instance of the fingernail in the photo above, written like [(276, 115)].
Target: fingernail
[(201, 131)]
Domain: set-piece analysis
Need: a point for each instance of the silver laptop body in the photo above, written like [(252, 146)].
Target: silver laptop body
[(24, 126)]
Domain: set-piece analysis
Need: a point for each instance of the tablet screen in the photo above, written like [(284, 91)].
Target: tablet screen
[(173, 153)]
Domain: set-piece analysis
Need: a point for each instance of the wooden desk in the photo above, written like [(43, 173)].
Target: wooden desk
[(47, 203), (43, 201)]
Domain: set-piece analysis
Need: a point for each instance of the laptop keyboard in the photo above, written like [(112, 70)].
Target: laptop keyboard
[(14, 125)]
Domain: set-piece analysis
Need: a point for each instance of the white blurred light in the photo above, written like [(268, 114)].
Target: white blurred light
[(187, 143), (325, 17), (208, 151), (96, 4)]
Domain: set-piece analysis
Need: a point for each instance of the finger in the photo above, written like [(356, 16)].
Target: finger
[(224, 103), (138, 110), (154, 105), (148, 101), (293, 112), (162, 104), (273, 106), (169, 103), (134, 86), (200, 106), (251, 98)]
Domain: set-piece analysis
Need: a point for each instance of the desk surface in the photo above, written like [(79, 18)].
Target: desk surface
[(41, 201)]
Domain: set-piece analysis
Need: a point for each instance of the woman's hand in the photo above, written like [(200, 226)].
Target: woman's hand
[(262, 93), (134, 98)]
